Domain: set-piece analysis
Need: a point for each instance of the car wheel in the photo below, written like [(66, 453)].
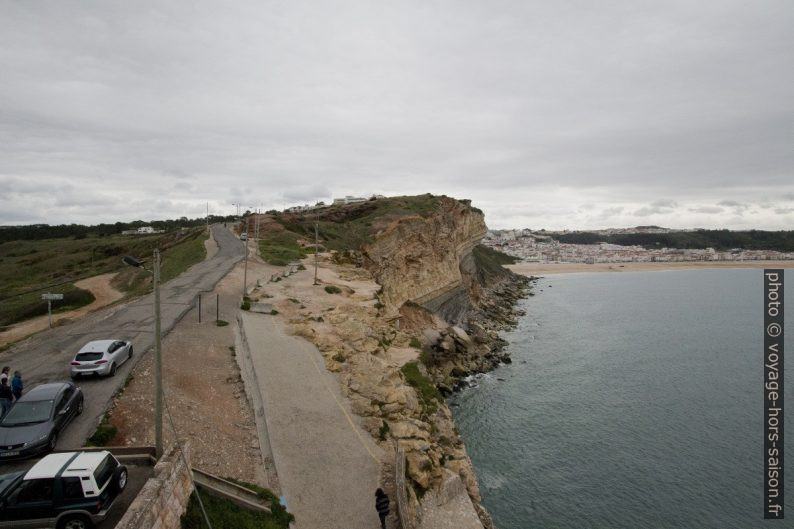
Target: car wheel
[(75, 521), (130, 355), (53, 441), (80, 407), (113, 369), (120, 478)]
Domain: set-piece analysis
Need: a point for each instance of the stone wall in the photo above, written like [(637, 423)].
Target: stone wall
[(164, 497)]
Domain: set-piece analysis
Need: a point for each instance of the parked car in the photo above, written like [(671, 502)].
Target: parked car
[(244, 236), (101, 357), (37, 418), (67, 490)]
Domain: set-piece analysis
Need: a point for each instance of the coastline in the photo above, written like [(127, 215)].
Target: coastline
[(535, 269)]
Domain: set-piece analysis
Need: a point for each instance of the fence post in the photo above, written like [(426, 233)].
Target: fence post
[(217, 307), (199, 311)]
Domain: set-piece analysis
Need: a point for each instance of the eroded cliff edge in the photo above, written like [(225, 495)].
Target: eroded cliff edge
[(418, 306)]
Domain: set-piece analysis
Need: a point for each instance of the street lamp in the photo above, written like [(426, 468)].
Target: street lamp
[(158, 360)]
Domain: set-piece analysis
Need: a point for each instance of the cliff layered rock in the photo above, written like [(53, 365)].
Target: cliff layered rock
[(418, 259)]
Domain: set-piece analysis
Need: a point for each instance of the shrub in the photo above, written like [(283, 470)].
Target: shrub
[(415, 342), (103, 435), (331, 289), (339, 357), (221, 323), (426, 391), (245, 305)]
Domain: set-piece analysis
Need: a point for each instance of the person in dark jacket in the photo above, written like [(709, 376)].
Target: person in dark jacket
[(16, 385), (5, 397), (382, 506)]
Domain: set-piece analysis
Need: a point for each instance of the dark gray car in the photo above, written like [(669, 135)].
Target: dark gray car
[(34, 422)]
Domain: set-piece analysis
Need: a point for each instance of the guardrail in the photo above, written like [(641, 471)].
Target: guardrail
[(402, 497), (233, 492)]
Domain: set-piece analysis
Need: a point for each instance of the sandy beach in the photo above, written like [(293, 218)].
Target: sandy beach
[(536, 269)]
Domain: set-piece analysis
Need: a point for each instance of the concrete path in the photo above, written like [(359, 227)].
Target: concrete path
[(327, 465)]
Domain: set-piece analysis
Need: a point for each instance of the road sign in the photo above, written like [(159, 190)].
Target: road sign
[(50, 297)]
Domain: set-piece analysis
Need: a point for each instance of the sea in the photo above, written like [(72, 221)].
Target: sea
[(634, 400)]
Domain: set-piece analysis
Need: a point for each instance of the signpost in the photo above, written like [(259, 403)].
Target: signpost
[(49, 298)]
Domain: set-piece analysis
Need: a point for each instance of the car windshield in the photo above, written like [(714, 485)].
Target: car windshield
[(28, 412), (88, 357)]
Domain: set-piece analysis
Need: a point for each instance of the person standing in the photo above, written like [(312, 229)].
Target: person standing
[(5, 397), (382, 506), (16, 385), (4, 374)]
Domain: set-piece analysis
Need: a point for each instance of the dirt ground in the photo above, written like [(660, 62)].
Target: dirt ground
[(99, 286), (203, 391)]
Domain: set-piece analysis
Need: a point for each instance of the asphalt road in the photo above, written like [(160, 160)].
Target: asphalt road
[(45, 356)]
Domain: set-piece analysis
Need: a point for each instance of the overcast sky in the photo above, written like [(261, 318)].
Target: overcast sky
[(547, 114)]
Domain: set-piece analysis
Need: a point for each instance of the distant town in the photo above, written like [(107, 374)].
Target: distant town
[(542, 247)]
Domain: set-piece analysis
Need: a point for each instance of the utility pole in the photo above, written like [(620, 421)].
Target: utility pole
[(158, 357), (316, 243), (208, 217), (245, 269), (158, 363)]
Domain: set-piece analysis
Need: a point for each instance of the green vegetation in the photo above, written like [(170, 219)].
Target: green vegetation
[(348, 227), (415, 343), (177, 255), (224, 514), (425, 389), (104, 434), (281, 248), (246, 304), (221, 323), (782, 241), (339, 357), (331, 289), (489, 262), (30, 267), (39, 232)]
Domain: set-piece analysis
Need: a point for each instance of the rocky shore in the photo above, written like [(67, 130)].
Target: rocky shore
[(407, 317)]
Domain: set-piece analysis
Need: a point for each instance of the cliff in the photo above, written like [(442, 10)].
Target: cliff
[(424, 260), (419, 306)]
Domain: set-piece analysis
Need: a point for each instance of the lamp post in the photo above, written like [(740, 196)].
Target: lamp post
[(158, 359)]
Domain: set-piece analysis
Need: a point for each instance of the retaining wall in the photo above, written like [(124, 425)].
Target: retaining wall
[(163, 498)]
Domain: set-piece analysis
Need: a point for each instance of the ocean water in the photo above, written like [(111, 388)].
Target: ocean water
[(634, 401)]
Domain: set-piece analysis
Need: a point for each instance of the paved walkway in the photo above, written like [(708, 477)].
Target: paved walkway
[(326, 464)]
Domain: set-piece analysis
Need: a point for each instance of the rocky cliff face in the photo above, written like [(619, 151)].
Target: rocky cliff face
[(420, 259), (435, 264)]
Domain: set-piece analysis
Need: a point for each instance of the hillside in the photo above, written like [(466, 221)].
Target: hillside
[(781, 241), (30, 267)]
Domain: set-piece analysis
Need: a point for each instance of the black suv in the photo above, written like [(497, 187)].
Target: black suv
[(68, 490)]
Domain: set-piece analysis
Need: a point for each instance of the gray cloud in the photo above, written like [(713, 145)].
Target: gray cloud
[(163, 107), (707, 209)]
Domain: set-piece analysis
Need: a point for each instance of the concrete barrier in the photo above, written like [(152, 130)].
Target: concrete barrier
[(163, 498)]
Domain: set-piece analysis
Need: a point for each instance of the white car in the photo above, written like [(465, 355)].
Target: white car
[(244, 236), (101, 357), (67, 490)]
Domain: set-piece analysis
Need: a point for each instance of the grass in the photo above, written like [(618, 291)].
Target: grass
[(30, 267), (175, 259), (331, 289), (104, 434), (281, 248), (221, 323), (415, 343), (224, 514), (428, 394), (349, 227)]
